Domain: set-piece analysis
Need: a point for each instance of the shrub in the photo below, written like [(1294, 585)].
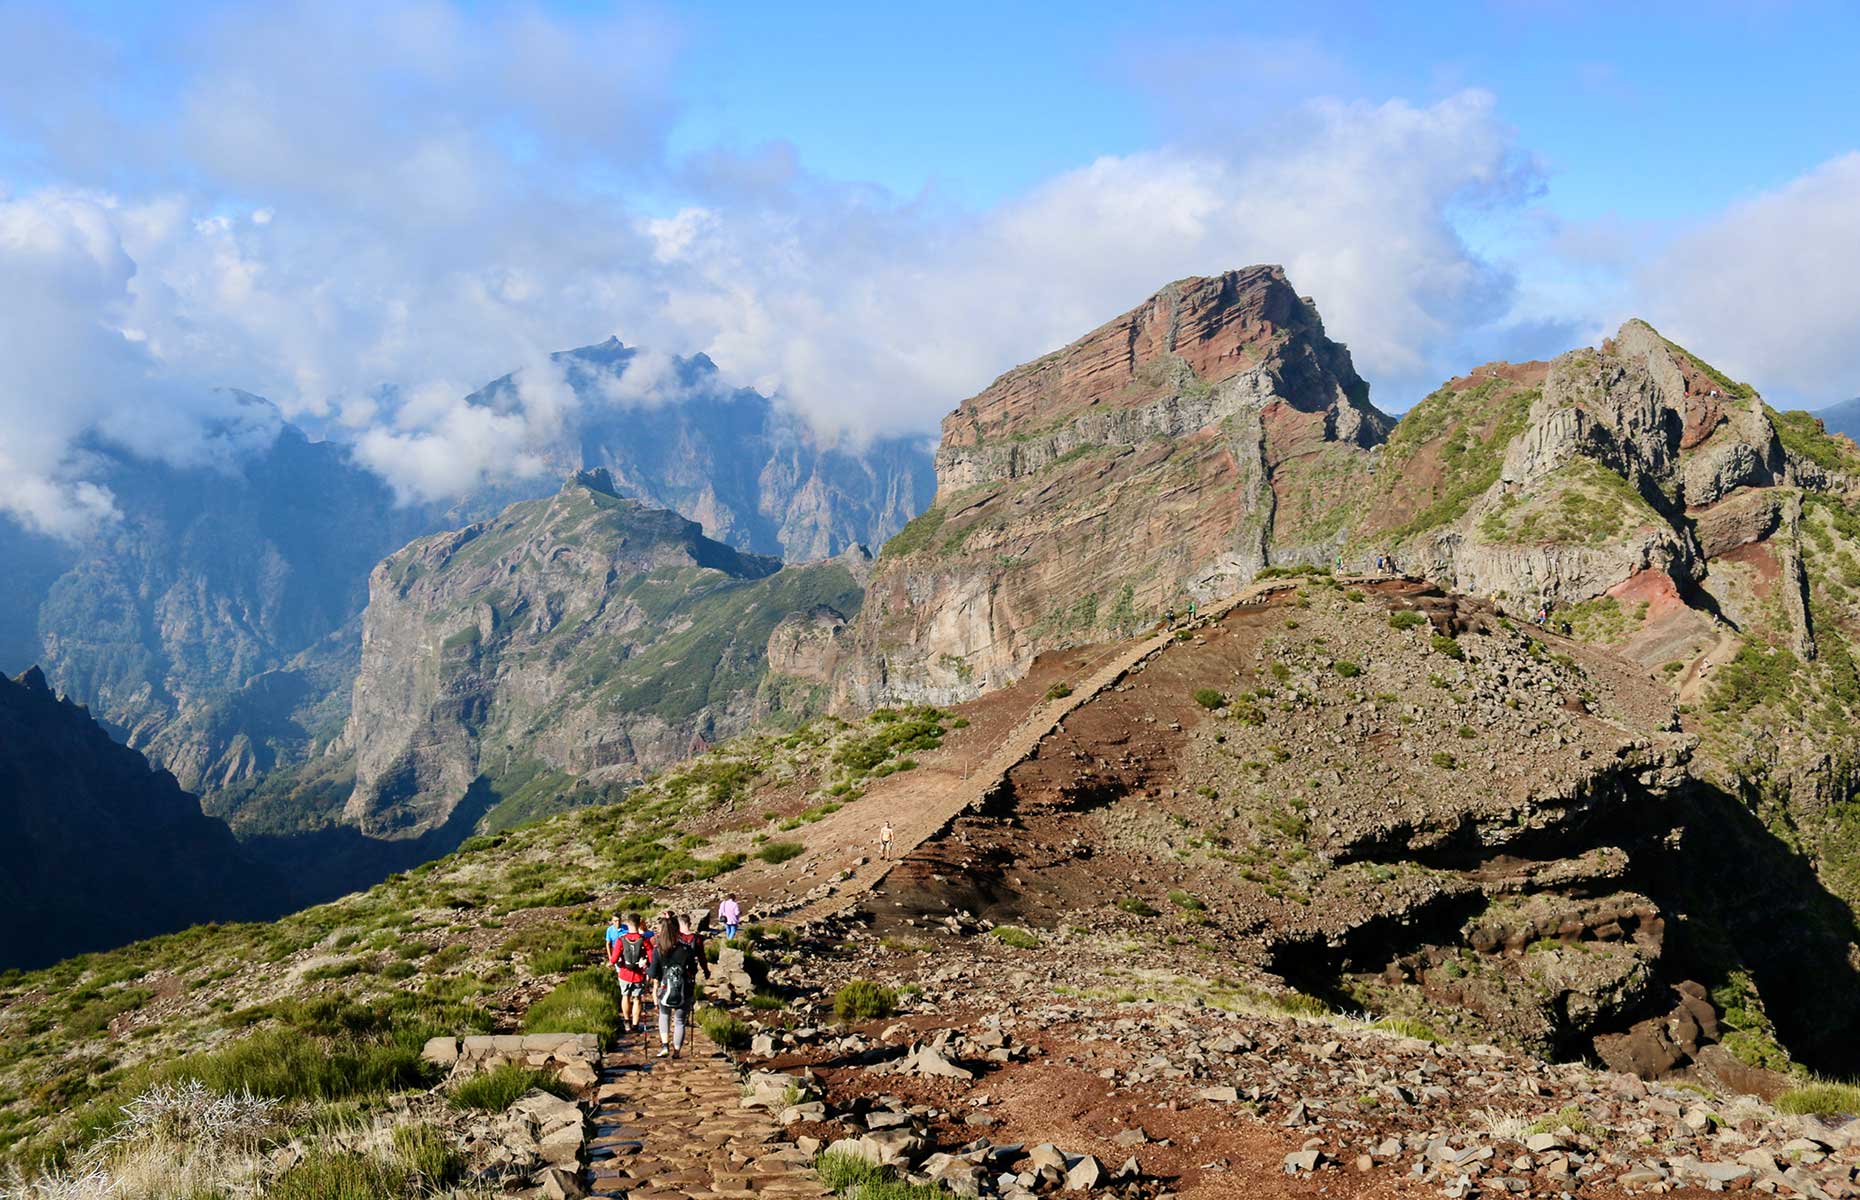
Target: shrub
[(1059, 691), (287, 1065), (863, 1000), (1186, 901), (1407, 618), (445, 958), (424, 1151), (1445, 761), (1821, 1100), (1137, 906), (558, 960), (335, 970), (345, 1176), (1346, 668), (1020, 939), (1447, 646), (1300, 1005), (780, 852), (1408, 1027), (497, 1089), (722, 1028), (1209, 698), (1467, 731), (586, 1002)]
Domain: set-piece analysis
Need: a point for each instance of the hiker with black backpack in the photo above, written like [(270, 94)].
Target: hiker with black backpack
[(674, 972), (630, 955)]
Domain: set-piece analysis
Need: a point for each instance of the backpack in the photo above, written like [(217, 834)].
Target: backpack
[(633, 949), (675, 980)]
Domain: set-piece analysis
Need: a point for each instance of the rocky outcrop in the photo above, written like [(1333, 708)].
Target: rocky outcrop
[(98, 848), (585, 634), (1632, 458), (1164, 457)]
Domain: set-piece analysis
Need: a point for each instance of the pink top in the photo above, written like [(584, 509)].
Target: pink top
[(729, 911)]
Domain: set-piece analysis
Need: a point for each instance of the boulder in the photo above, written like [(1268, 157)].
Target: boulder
[(729, 977), (893, 1147), (1085, 1174), (858, 1148), (1046, 1155), (578, 1074), (441, 1051)]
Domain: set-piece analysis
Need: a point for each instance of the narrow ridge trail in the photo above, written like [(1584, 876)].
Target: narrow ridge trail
[(922, 805)]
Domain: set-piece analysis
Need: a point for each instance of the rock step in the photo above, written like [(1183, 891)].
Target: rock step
[(673, 1130)]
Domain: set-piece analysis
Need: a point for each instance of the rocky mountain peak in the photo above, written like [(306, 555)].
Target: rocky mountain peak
[(584, 634), (1191, 337), (33, 680), (1164, 457), (595, 479)]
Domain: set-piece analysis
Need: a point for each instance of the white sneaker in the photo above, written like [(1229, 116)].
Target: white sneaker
[(664, 1051)]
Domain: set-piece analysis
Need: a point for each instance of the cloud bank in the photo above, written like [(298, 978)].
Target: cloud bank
[(365, 212), (1770, 290)]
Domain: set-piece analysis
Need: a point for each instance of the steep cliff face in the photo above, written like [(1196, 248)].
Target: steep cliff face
[(584, 634), (1166, 456), (213, 578), (97, 848)]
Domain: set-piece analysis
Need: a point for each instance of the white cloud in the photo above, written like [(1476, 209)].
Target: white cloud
[(1770, 290), (364, 212), (69, 371), (863, 313)]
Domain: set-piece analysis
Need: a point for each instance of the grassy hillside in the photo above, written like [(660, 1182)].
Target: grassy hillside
[(326, 1010)]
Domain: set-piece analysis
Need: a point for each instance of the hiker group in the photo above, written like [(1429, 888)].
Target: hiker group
[(671, 959)]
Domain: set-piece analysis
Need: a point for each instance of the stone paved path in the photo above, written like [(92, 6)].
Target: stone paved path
[(673, 1130)]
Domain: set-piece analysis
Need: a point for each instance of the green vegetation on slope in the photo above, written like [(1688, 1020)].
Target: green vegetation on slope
[(714, 654), (1580, 503), (917, 534), (1472, 427), (1802, 435)]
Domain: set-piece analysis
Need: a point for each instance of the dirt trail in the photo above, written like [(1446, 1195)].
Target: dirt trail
[(922, 803), (1698, 675)]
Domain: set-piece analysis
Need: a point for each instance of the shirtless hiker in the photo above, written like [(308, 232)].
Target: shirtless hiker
[(884, 839)]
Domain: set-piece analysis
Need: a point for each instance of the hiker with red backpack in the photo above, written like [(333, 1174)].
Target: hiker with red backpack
[(630, 955)]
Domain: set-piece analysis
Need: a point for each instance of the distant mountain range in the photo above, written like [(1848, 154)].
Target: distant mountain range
[(1842, 418), (217, 624)]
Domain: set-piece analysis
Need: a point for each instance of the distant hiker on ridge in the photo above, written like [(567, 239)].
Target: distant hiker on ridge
[(884, 839)]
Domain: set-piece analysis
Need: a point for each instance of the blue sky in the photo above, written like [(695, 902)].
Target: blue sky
[(1643, 112), (365, 210)]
